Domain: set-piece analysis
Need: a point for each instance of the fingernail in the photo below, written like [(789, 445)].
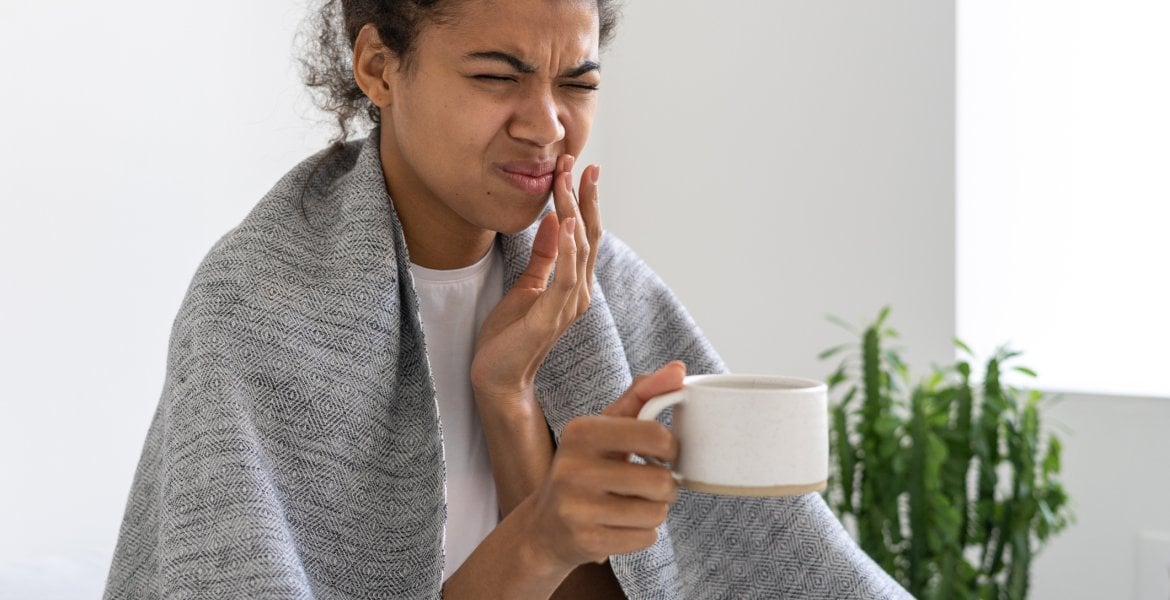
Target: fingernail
[(596, 174), (569, 160)]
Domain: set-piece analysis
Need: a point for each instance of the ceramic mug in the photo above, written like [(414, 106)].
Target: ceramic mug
[(749, 435)]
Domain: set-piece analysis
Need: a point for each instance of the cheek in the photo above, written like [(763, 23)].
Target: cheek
[(443, 116), (451, 137), (578, 122), (472, 124)]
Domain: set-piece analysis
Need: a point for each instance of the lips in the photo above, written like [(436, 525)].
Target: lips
[(530, 177)]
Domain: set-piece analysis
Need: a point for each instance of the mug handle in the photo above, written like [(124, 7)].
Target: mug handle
[(651, 410), (657, 404)]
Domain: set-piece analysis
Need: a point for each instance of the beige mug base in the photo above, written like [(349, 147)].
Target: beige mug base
[(771, 490)]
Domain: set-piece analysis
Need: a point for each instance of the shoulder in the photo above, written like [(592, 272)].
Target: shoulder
[(654, 325), (617, 263), (628, 282), (281, 244), (633, 292)]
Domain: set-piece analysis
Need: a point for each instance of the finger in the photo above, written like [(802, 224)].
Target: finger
[(563, 201), (590, 207), (551, 304), (629, 539), (613, 437), (580, 300), (666, 379), (566, 277), (620, 511), (582, 237), (567, 204), (598, 542), (648, 482), (544, 255)]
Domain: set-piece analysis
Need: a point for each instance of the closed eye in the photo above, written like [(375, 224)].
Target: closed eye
[(488, 77)]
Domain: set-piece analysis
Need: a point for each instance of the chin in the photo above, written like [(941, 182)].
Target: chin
[(514, 226), (517, 221)]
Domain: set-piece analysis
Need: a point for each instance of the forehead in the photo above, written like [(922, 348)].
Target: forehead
[(529, 28)]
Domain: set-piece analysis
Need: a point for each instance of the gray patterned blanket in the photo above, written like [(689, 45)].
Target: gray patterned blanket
[(295, 451)]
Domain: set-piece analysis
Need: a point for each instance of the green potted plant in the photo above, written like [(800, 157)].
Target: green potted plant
[(947, 482)]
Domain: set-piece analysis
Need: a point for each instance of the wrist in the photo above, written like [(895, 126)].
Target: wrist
[(510, 562), (519, 443), (516, 399), (532, 552)]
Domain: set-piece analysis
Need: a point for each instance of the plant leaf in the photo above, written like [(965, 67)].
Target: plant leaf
[(833, 351), (838, 321), (837, 377), (1026, 371)]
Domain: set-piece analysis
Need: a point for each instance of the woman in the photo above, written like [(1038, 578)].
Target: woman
[(396, 378)]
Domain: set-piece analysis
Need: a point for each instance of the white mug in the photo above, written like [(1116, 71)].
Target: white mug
[(749, 435)]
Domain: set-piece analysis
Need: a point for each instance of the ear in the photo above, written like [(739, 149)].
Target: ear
[(374, 66)]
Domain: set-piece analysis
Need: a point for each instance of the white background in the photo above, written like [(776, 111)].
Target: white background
[(775, 162), (1063, 195), (134, 134)]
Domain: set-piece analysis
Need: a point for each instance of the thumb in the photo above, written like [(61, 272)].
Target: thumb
[(667, 379), (544, 255)]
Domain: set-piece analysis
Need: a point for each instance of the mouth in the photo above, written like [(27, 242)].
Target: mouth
[(531, 177)]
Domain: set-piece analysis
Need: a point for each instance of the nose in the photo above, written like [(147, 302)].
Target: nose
[(537, 119)]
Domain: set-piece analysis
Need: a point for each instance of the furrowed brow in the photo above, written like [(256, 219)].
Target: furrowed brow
[(503, 57), (580, 69)]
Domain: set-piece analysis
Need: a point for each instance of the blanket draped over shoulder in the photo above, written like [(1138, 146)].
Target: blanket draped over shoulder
[(296, 449)]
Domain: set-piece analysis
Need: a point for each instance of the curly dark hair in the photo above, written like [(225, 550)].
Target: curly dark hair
[(327, 59)]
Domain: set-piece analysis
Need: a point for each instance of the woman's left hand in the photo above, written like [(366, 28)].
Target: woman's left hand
[(532, 316)]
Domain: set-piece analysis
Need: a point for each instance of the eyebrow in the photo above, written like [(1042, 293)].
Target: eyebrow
[(523, 67)]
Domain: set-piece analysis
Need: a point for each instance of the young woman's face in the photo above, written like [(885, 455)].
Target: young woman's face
[(494, 95)]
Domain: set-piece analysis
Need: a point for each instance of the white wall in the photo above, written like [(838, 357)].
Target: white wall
[(1116, 458), (812, 144), (132, 135), (775, 162), (1058, 117), (780, 161)]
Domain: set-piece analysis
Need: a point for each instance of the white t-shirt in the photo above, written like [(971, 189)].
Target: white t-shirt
[(453, 305)]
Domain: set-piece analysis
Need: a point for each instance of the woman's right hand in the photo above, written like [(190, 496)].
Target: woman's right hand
[(523, 327), (594, 502)]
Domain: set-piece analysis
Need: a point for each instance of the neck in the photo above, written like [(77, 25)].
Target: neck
[(435, 245), (436, 236)]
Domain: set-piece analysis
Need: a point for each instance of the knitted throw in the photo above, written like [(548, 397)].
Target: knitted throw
[(296, 449)]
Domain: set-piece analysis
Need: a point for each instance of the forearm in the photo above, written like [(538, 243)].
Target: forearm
[(520, 445), (507, 564), (521, 449), (590, 581)]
